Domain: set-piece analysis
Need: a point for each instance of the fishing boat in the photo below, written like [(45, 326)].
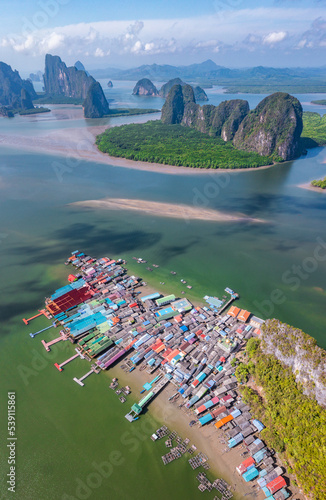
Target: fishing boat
[(190, 287), (183, 281), (149, 269), (173, 272), (155, 265)]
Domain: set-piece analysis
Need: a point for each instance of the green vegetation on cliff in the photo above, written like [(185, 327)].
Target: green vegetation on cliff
[(174, 145), (273, 128), (295, 424), (321, 183)]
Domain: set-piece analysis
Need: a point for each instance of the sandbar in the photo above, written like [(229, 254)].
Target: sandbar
[(311, 188), (159, 209)]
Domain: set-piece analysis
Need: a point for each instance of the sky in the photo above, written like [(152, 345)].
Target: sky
[(129, 33)]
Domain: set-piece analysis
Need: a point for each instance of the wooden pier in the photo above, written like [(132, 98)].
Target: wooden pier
[(43, 330), (42, 311), (138, 408), (61, 365), (226, 305), (47, 345), (80, 380)]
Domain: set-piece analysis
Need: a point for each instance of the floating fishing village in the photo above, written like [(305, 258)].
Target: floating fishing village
[(103, 311)]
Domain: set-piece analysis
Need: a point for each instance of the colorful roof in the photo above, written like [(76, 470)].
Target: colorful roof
[(233, 311), (244, 315)]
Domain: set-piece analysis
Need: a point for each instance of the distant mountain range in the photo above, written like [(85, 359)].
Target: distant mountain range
[(208, 70)]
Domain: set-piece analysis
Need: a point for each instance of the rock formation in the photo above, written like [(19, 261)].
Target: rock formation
[(60, 80), (36, 77), (11, 86), (178, 98), (200, 94), (95, 104), (300, 352), (273, 128), (26, 101), (145, 87)]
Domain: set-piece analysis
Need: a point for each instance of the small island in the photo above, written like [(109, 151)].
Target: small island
[(155, 142), (321, 102), (145, 87), (34, 111), (225, 136), (319, 183)]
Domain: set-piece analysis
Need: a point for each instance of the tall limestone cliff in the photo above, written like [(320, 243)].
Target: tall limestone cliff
[(11, 86), (200, 94), (300, 352), (95, 104), (26, 101), (67, 81), (145, 87), (273, 128), (178, 98), (222, 121)]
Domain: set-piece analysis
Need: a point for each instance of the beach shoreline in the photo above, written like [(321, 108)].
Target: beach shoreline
[(206, 439)]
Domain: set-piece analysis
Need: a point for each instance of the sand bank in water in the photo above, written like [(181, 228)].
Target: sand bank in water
[(171, 210), (312, 188)]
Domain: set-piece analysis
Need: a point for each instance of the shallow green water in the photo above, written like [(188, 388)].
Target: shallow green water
[(63, 428)]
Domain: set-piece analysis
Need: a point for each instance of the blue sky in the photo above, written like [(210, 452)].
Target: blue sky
[(128, 33)]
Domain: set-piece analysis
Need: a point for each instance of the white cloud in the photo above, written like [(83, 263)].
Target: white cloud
[(246, 29), (99, 52), (137, 47), (274, 37), (54, 41), (315, 36), (149, 47)]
